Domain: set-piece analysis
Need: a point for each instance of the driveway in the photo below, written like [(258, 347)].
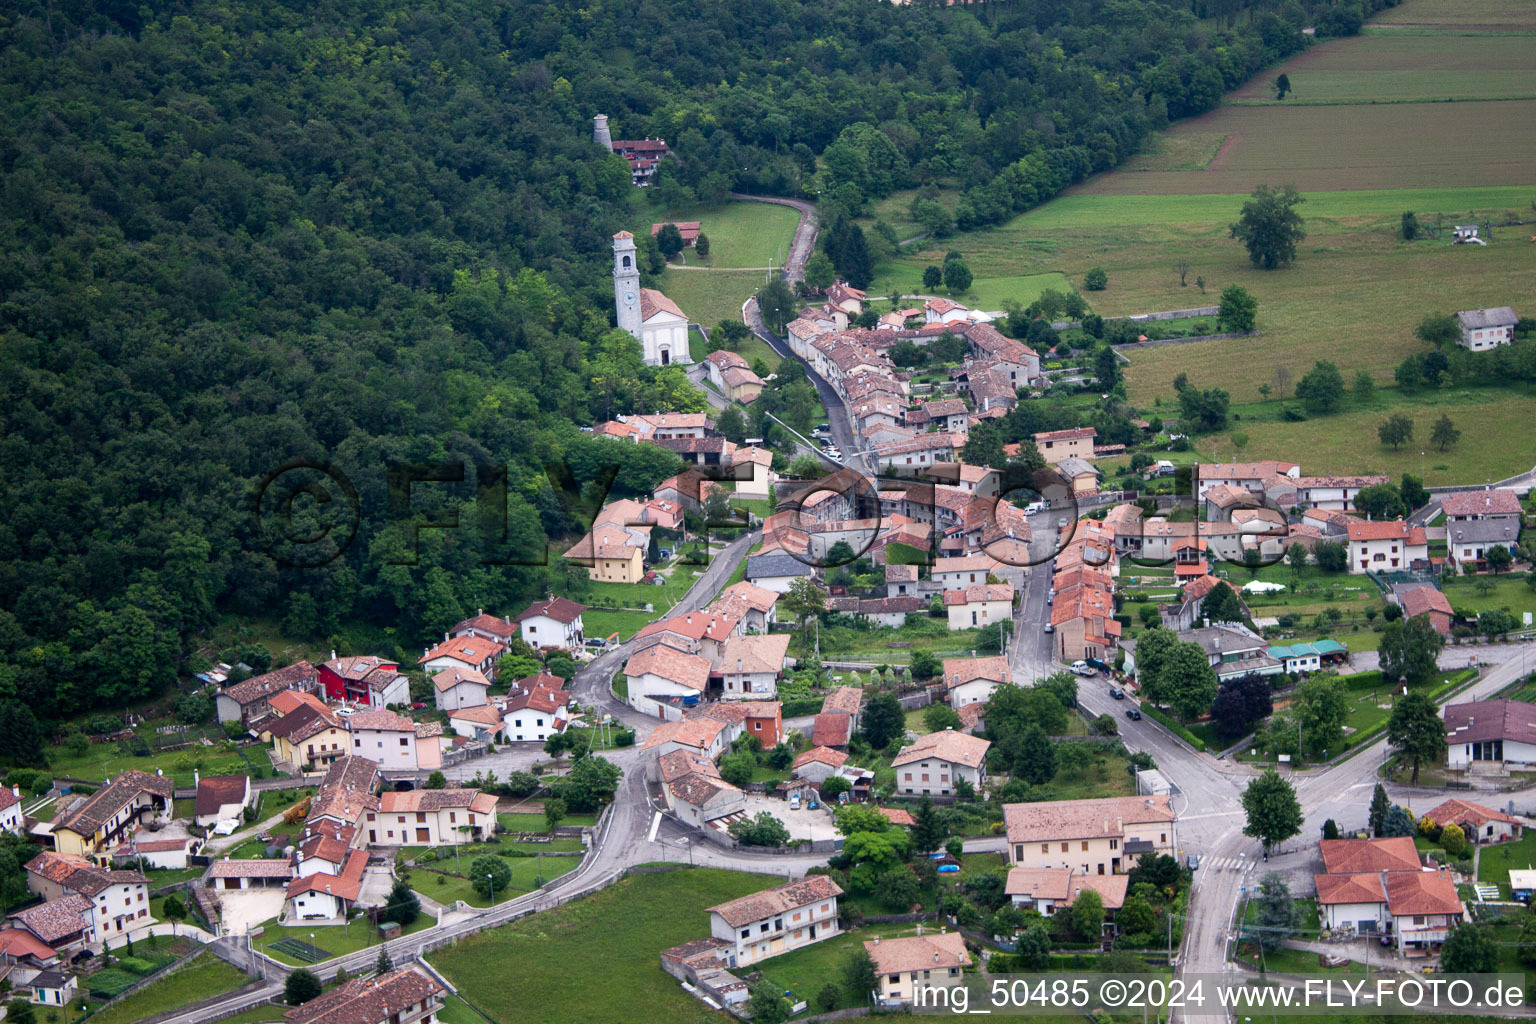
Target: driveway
[(802, 824), (240, 910), (377, 881)]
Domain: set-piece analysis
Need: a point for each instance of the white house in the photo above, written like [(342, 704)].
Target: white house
[(536, 713), (776, 571), (979, 606), (455, 688), (933, 764), (1387, 546), (1480, 824), (818, 764), (753, 471), (1490, 730), (468, 652), (1483, 329), (972, 680), (1357, 901), (553, 622), (960, 572), (11, 818), (749, 604), (694, 789), (776, 920), (385, 737), (431, 817), (489, 627), (750, 665), (326, 893), (220, 798), (661, 675)]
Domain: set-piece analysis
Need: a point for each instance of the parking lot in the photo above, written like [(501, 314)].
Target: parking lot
[(802, 824)]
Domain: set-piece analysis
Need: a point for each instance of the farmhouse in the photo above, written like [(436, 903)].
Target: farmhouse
[(309, 737), (905, 965), (972, 680), (1426, 599), (938, 761), (1388, 546), (248, 702), (552, 622), (777, 920), (1093, 837), (1483, 329), (1480, 824), (96, 824), (977, 606)]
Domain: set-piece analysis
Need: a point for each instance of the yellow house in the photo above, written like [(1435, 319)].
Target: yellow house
[(905, 965), (611, 554), (105, 817), (309, 738), (1056, 445), (1090, 837)]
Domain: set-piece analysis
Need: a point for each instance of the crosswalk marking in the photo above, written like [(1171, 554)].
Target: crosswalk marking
[(1225, 863)]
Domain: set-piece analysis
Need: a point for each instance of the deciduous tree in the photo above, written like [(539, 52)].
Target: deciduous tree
[(1273, 814), (1269, 226), (1239, 310)]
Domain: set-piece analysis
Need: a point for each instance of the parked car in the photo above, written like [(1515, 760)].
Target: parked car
[(794, 801), (1050, 628), (1133, 714), (1082, 668), (822, 428), (1193, 862), (1117, 693)]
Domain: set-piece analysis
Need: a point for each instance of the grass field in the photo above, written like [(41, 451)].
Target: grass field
[(1397, 68), (709, 296), (1507, 593), (1485, 13), (1345, 147), (805, 971), (740, 234), (596, 959), (1494, 862), (204, 976), (335, 940)]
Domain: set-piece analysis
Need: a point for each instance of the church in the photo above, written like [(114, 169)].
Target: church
[(646, 313)]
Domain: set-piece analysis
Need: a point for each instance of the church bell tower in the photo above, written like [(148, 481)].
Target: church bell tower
[(626, 282)]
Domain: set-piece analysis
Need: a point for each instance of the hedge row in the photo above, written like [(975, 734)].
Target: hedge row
[(1173, 726)]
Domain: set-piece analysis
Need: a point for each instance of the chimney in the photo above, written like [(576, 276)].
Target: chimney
[(935, 956), (877, 940), (333, 654)]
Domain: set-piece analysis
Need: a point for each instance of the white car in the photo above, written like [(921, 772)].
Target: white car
[(1082, 668)]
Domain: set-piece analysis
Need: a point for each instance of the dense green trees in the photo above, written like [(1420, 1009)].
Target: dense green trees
[(1269, 226)]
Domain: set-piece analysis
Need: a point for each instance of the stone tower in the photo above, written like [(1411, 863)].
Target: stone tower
[(600, 132), (626, 282)]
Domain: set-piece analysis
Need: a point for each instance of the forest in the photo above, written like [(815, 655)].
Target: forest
[(363, 235)]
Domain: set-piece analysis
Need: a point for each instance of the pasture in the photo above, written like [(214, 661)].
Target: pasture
[(709, 296), (1369, 146), (1402, 68), (741, 234), (1499, 14)]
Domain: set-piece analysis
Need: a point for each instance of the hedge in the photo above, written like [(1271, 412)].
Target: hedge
[(1168, 722), (802, 706)]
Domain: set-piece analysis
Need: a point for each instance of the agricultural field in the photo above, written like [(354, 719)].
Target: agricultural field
[(740, 234), (1400, 68), (596, 958), (1481, 14), (1367, 146)]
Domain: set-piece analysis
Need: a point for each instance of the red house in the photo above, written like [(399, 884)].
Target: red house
[(372, 682)]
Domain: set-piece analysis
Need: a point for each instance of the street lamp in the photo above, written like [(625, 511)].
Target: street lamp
[(492, 880)]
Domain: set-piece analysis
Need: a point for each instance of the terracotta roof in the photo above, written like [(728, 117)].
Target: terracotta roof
[(367, 1001), (436, 800), (253, 868), (558, 608), (822, 755), (216, 791), (100, 806), (753, 596), (697, 733), (376, 672), (959, 671), (56, 866), (346, 790), (1111, 889), (1351, 856), (1066, 435), (18, 942), (259, 687), (1481, 720), (918, 953), (669, 663), (965, 563), (971, 714), (1457, 811), (57, 919), (694, 626), (901, 574), (653, 302), (484, 714), (1491, 502), (1422, 599), (379, 720), (327, 843), (486, 624), (300, 725), (771, 902), (347, 885), (1411, 893), (831, 729), (844, 699), (1364, 887), (1388, 529), (290, 701), (979, 593), (897, 816), (471, 650), (674, 764), (955, 747), (1083, 819), (448, 678), (539, 698), (698, 789)]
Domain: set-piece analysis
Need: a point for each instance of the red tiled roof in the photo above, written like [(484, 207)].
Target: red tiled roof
[(367, 1001), (1364, 887), (955, 747), (470, 649), (1456, 811), (1493, 502), (1419, 600), (558, 608), (824, 755), (1351, 856), (1417, 893), (653, 302), (216, 791), (770, 902), (830, 730)]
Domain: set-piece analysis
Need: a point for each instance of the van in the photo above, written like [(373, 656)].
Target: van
[(1033, 507), (794, 801)]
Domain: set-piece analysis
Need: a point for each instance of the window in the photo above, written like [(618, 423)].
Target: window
[(1162, 839), (1114, 844), (1085, 846), (746, 933), (1063, 847), (1044, 848), (404, 741)]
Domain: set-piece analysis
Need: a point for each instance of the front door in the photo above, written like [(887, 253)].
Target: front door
[(423, 835)]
